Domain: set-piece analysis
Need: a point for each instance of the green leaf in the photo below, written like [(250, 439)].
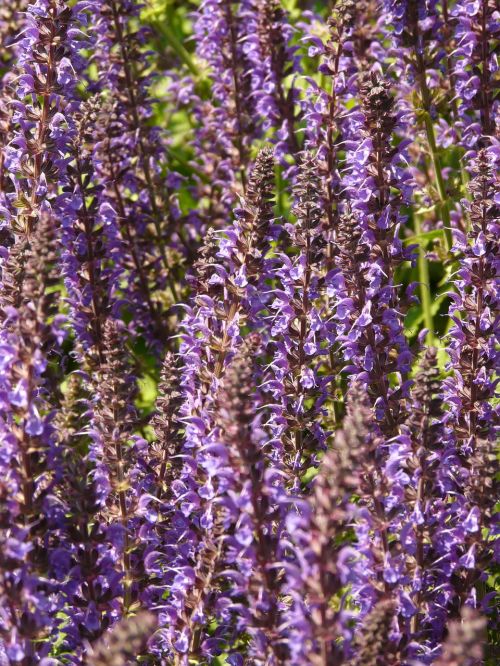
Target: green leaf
[(424, 237)]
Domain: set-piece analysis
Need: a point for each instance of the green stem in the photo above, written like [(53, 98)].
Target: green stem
[(425, 290), (440, 184)]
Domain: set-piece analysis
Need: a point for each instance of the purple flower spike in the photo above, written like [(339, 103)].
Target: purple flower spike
[(30, 458), (114, 452), (129, 159), (48, 60), (228, 275), (474, 359), (228, 121), (369, 324), (253, 504), (272, 60), (476, 32), (318, 574), (296, 385)]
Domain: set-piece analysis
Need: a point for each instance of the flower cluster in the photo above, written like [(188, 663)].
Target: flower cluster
[(249, 324)]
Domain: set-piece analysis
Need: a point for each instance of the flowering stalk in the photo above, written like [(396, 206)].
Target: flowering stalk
[(449, 46), (317, 578), (212, 332), (115, 455), (162, 521), (369, 324), (473, 358), (327, 114), (378, 566), (30, 461), (137, 258), (165, 423), (89, 239), (415, 466), (297, 387), (91, 586), (426, 432), (42, 86), (423, 53), (132, 93), (220, 38), (130, 159), (252, 548), (273, 59), (476, 32)]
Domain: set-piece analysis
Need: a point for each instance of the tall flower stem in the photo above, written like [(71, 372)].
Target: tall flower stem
[(424, 284), (425, 114), (233, 37), (129, 79), (40, 63), (438, 170)]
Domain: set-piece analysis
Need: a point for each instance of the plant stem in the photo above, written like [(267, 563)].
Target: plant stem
[(438, 172), (424, 282)]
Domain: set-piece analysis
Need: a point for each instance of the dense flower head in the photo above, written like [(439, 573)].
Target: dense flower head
[(30, 460), (252, 504), (476, 68), (272, 61), (249, 271), (228, 121), (296, 386), (369, 250)]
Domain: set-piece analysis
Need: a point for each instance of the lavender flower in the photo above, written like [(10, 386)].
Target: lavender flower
[(298, 327), (272, 60), (129, 157), (470, 389), (475, 67), (114, 452), (92, 585), (254, 503), (327, 113), (419, 41), (228, 121), (165, 423), (90, 238), (415, 462), (162, 522), (212, 332), (377, 567), (30, 460), (47, 58), (369, 325), (322, 556)]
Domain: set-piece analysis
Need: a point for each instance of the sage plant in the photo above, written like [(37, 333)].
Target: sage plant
[(249, 323)]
